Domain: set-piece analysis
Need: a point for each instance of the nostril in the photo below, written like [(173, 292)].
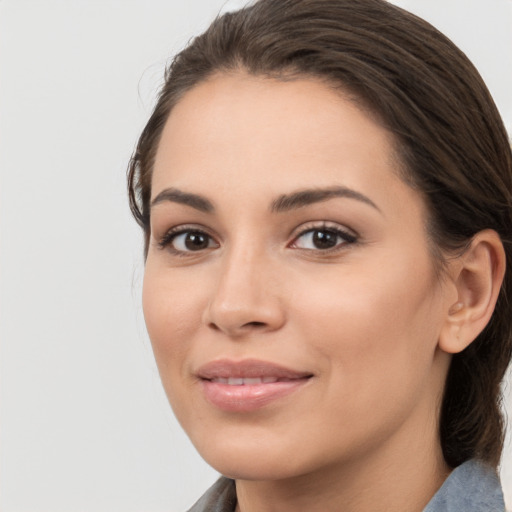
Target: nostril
[(254, 324), (242, 328)]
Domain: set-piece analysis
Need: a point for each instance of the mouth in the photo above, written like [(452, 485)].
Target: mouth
[(248, 381), (248, 385)]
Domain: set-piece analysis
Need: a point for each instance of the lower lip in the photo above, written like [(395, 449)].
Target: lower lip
[(248, 398)]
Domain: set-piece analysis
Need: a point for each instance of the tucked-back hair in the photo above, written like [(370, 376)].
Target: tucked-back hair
[(449, 137)]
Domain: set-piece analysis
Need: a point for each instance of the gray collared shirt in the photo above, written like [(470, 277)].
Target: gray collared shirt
[(471, 487)]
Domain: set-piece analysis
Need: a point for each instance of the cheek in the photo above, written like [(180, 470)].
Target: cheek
[(376, 324), (171, 313), (376, 339)]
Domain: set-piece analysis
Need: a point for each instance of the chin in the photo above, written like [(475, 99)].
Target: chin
[(245, 455), (256, 455), (261, 468)]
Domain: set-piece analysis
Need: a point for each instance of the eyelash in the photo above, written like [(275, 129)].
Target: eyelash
[(348, 238), (166, 241)]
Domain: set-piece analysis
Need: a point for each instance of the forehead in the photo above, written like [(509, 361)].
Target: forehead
[(229, 107), (238, 131)]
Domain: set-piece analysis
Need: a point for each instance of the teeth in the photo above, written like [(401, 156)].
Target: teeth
[(255, 380), (248, 381)]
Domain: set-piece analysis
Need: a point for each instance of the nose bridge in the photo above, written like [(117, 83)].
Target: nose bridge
[(245, 296)]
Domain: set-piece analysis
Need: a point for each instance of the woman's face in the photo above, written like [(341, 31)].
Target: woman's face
[(289, 291)]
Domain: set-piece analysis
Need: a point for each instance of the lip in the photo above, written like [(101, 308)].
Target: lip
[(248, 385)]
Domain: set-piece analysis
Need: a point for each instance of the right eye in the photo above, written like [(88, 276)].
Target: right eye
[(187, 241)]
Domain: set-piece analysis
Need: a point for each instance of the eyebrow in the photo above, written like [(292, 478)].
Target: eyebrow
[(177, 196), (283, 203), (306, 197)]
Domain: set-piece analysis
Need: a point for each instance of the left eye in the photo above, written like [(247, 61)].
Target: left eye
[(322, 239)]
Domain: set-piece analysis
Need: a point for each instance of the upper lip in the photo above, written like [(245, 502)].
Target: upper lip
[(247, 368)]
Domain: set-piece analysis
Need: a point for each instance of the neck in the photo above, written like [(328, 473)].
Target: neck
[(390, 478)]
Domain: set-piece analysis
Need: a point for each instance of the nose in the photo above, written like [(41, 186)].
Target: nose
[(247, 296)]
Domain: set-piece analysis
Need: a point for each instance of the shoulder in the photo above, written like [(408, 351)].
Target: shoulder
[(472, 487), (220, 497)]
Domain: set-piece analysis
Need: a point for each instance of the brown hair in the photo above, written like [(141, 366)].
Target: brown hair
[(452, 145)]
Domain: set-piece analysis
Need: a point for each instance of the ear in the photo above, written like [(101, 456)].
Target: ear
[(477, 276)]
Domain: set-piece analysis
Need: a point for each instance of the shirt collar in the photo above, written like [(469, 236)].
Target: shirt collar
[(471, 487)]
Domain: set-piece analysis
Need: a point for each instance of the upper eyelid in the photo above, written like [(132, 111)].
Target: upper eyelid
[(183, 228), (319, 225)]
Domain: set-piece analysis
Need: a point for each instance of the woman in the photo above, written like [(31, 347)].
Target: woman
[(325, 192)]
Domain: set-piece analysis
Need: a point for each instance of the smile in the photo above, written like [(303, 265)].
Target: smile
[(248, 385), (250, 381)]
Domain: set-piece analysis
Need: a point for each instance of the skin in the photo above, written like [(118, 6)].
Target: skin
[(364, 318)]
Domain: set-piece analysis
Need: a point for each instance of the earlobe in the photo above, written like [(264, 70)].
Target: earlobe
[(478, 277)]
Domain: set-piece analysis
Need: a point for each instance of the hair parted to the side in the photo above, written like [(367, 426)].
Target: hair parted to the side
[(450, 140)]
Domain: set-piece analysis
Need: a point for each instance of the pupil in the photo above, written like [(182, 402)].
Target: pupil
[(324, 239), (196, 241)]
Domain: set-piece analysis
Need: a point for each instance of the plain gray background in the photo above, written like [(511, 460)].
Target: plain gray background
[(85, 425)]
